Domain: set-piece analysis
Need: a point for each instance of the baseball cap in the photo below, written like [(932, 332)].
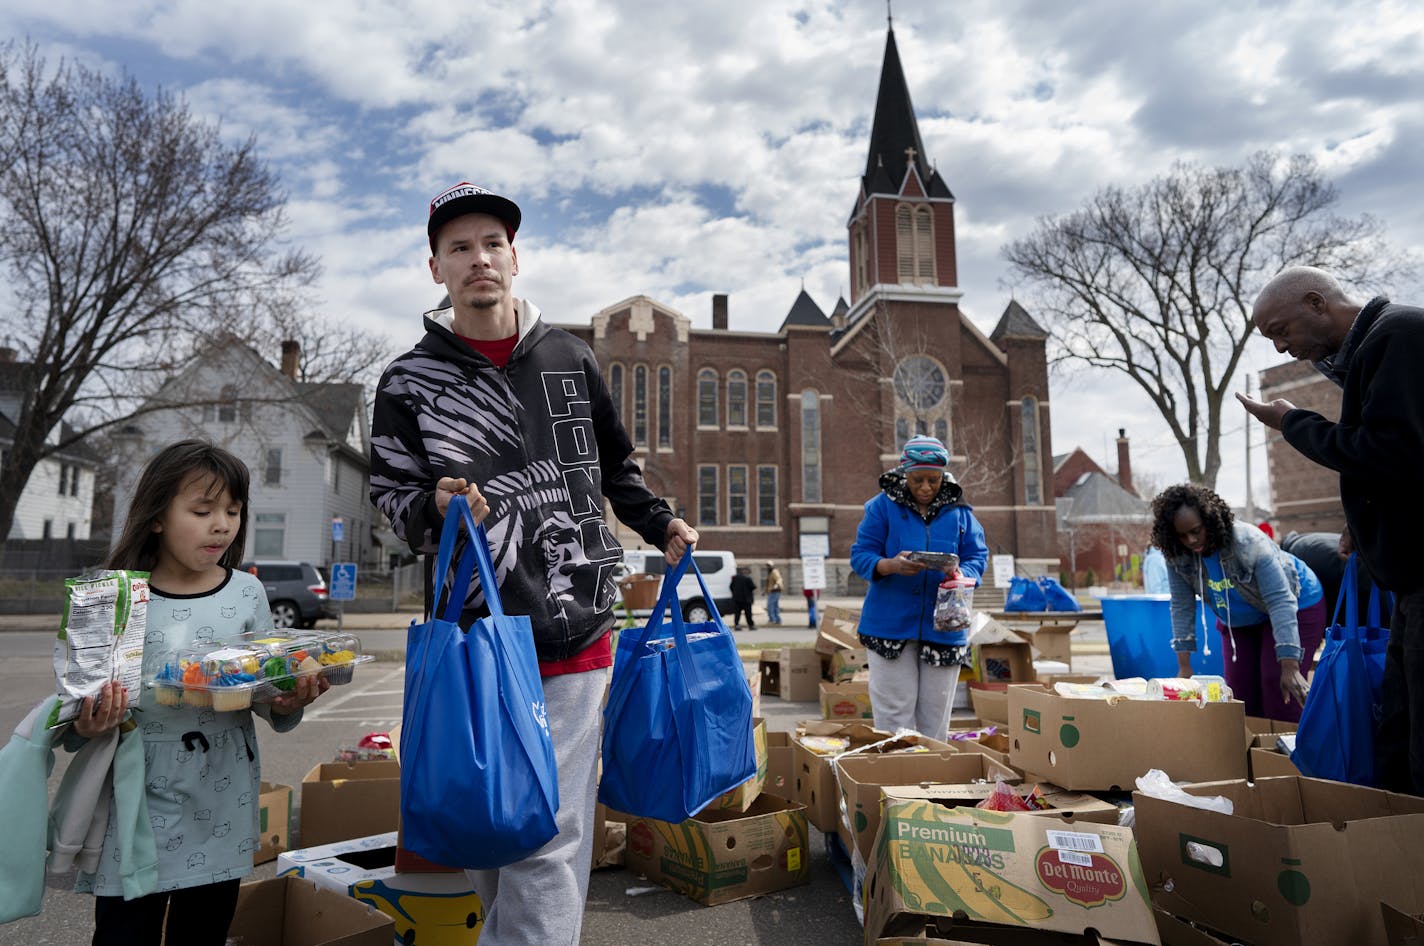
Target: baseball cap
[(467, 198)]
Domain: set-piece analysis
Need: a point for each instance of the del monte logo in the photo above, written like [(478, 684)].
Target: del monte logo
[(1089, 885)]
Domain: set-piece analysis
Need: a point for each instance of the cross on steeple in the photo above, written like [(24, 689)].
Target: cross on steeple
[(910, 153)]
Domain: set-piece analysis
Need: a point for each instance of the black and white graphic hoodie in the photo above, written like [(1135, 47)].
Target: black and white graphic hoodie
[(541, 440)]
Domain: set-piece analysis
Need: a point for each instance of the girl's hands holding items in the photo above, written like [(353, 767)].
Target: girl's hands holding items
[(98, 715), (308, 688)]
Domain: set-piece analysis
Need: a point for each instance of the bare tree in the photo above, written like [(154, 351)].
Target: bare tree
[(1156, 282), (329, 352), (128, 228), (889, 352), (989, 464)]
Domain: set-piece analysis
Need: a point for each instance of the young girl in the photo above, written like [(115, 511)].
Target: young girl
[(187, 526)]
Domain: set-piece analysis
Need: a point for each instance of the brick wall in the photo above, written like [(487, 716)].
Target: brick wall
[(1305, 496)]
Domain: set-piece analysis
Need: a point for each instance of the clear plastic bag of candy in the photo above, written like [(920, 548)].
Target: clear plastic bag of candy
[(954, 604)]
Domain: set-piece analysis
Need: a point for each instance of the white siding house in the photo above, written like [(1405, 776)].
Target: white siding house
[(306, 446), (58, 500)]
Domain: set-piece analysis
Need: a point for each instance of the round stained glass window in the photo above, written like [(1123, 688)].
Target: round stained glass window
[(919, 381)]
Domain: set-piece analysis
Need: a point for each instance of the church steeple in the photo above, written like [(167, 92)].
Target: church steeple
[(895, 143), (902, 225)]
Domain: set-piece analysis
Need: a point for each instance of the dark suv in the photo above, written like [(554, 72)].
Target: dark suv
[(295, 590)]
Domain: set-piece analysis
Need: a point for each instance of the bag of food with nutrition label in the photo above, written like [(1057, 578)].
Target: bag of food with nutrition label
[(100, 638)]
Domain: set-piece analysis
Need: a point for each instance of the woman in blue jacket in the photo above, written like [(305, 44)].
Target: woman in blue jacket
[(1269, 606), (913, 667)]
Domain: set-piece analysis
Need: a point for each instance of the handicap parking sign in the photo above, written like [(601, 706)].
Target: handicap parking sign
[(343, 581)]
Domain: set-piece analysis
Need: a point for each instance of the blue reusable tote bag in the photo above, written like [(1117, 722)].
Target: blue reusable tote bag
[(1025, 594), (479, 785), (677, 730), (1055, 596), (1336, 738)]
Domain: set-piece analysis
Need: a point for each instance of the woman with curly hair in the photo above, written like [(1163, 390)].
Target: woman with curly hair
[(1269, 607)]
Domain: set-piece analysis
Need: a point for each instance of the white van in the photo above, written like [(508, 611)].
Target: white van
[(717, 570)]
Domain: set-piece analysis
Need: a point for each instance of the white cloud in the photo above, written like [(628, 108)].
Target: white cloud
[(677, 149)]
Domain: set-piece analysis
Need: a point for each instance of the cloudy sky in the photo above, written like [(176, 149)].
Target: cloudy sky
[(683, 148)]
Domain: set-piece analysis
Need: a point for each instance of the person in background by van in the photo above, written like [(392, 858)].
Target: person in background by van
[(773, 594), (811, 595), (743, 594)]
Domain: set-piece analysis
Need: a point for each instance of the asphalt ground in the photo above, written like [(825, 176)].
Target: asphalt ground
[(622, 907)]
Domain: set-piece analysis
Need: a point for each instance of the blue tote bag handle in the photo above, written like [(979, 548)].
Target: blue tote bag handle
[(634, 640), (474, 559), (1350, 598)]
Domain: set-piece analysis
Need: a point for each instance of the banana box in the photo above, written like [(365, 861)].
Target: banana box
[(741, 797), (989, 874), (816, 742), (863, 780), (844, 664), (849, 700), (720, 856), (430, 909)]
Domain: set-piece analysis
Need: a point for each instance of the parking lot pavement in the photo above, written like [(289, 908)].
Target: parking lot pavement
[(621, 907)]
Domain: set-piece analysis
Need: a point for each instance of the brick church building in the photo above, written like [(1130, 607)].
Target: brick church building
[(763, 438)]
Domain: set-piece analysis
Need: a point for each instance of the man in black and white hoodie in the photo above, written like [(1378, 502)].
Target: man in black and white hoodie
[(495, 405)]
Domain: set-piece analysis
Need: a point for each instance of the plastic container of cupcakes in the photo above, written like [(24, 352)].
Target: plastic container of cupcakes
[(233, 675), (339, 655)]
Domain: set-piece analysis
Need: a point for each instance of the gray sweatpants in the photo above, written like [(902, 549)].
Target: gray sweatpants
[(907, 693), (539, 901)]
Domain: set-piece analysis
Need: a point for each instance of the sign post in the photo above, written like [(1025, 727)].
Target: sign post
[(343, 587), (338, 532)]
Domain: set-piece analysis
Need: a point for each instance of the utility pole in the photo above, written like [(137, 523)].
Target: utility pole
[(1250, 500)]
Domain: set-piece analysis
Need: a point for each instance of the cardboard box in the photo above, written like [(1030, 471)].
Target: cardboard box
[(430, 909), (274, 821), (800, 676), (1400, 928), (778, 764), (754, 684), (1261, 726), (990, 701), (843, 665), (813, 779), (1054, 641), (1300, 861), (1004, 662), (289, 911), (992, 870), (1176, 931), (343, 800), (769, 672), (946, 932), (741, 797), (846, 700), (610, 838), (860, 779), (1267, 763), (1067, 807), (1090, 745), (837, 630), (720, 856)]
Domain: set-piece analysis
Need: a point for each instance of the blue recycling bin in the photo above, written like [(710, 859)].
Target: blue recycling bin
[(1140, 637)]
